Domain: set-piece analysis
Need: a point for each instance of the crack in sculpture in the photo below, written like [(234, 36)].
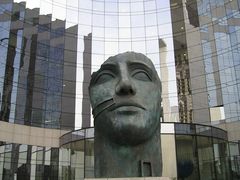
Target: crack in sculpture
[(102, 106)]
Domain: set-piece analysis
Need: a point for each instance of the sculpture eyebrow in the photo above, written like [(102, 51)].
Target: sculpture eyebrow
[(141, 64), (108, 66)]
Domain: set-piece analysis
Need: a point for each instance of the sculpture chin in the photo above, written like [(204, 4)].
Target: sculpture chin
[(127, 132)]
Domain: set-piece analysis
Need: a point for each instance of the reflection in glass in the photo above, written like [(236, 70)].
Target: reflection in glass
[(137, 46), (221, 156), (187, 161), (137, 21), (168, 150), (2, 148), (206, 158), (89, 158), (111, 21), (116, 27), (76, 171)]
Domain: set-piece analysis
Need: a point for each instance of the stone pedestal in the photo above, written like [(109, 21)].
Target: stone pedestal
[(132, 178)]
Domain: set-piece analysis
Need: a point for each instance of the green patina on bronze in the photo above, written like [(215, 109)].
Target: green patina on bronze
[(125, 95)]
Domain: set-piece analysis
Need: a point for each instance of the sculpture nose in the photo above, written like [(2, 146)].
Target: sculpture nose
[(125, 87)]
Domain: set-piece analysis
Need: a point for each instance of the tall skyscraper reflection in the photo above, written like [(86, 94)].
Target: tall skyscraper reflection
[(49, 48)]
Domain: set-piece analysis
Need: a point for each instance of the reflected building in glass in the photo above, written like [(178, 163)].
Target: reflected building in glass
[(49, 48), (207, 62), (34, 81)]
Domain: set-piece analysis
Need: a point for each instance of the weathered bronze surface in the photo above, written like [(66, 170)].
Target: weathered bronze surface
[(125, 95)]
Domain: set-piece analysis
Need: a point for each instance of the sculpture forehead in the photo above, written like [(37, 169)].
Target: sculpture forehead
[(130, 57)]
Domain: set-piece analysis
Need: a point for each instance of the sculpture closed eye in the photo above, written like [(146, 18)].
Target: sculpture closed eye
[(104, 77), (141, 75)]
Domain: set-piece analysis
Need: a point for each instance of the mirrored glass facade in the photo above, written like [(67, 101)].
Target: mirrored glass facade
[(206, 42), (49, 48), (38, 67)]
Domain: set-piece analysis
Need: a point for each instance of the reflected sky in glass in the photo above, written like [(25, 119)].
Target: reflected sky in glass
[(116, 27)]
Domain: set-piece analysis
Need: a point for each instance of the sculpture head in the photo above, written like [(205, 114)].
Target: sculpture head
[(125, 95)]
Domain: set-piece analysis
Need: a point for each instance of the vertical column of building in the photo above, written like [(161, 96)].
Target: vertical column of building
[(67, 118), (87, 63), (31, 35), (209, 52), (164, 79), (41, 67), (181, 61), (203, 60), (55, 74), (9, 66), (5, 22), (13, 63)]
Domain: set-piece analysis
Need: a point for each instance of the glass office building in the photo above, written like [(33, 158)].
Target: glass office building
[(49, 48), (206, 42)]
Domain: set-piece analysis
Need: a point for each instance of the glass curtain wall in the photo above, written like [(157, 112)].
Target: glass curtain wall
[(51, 47), (206, 46), (24, 162), (235, 159), (220, 42), (38, 65), (200, 157), (118, 26)]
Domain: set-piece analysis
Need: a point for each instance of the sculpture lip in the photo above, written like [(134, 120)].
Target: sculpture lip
[(124, 104)]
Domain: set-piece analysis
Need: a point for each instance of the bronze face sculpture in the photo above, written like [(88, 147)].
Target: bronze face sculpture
[(125, 94)]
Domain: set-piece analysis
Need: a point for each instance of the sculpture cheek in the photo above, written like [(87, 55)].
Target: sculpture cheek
[(101, 93)]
